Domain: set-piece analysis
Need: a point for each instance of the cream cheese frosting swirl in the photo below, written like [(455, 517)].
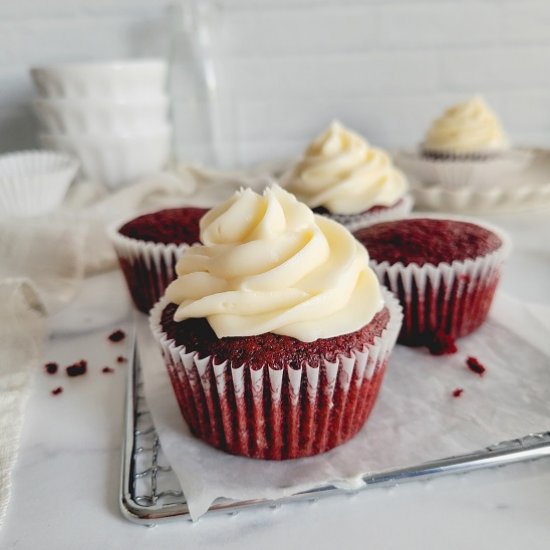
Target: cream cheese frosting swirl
[(466, 127), (268, 264), (343, 173)]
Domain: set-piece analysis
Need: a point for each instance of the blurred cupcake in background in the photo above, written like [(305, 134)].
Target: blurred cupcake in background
[(344, 178), (465, 147), (468, 130)]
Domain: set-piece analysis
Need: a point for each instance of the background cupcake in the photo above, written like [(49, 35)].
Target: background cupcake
[(341, 176), (276, 333), (148, 248), (465, 146), (468, 130), (444, 271)]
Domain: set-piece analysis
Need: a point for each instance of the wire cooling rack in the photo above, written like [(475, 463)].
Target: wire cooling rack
[(150, 492)]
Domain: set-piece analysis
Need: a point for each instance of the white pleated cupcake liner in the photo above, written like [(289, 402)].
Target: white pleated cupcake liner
[(444, 299), (277, 413), (457, 173), (148, 267), (34, 182), (356, 221)]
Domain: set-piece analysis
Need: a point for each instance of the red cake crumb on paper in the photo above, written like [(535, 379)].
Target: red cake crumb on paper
[(458, 392), (77, 369), (107, 370), (57, 390), (117, 336), (475, 366), (440, 343), (51, 368), (121, 359)]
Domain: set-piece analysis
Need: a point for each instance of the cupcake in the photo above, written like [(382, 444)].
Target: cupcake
[(465, 147), (444, 271), (342, 177), (469, 131), (148, 247), (276, 333)]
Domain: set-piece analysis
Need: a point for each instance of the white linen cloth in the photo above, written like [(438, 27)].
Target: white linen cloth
[(21, 336), (415, 420), (45, 259)]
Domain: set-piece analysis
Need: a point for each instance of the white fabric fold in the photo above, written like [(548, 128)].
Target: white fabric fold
[(22, 334)]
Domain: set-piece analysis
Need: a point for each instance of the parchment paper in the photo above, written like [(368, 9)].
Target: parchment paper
[(416, 418)]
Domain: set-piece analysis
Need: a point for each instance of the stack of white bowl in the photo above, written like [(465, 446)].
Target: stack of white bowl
[(112, 116)]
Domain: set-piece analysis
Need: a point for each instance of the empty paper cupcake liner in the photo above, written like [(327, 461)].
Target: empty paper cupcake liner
[(455, 172), (147, 267), (356, 221), (277, 413), (445, 299), (34, 182)]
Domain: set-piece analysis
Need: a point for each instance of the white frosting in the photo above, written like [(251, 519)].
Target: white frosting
[(342, 173), (466, 127), (268, 264)]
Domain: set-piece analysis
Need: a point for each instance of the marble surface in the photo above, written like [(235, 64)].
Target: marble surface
[(66, 480)]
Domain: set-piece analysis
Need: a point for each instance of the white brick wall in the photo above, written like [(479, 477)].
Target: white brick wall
[(286, 68)]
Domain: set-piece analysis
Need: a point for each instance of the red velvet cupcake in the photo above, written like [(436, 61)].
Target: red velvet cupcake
[(276, 334), (444, 271), (148, 248), (344, 178)]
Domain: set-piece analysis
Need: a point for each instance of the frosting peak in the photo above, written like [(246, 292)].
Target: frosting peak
[(466, 127), (342, 173), (268, 264)]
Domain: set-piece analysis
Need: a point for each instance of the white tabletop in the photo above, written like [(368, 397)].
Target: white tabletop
[(66, 482)]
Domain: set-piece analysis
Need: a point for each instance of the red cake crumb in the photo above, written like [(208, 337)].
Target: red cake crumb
[(57, 390), (475, 366), (458, 392), (441, 344), (117, 336), (107, 370), (77, 369), (121, 359), (51, 368)]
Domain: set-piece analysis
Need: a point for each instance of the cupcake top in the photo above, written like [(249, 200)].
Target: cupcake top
[(268, 264), (341, 172), (268, 348), (466, 127), (169, 226), (427, 240)]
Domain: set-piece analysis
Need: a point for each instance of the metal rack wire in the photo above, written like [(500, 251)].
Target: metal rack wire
[(150, 492)]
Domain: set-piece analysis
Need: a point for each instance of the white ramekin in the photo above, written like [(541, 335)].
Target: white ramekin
[(34, 182), (97, 116), (115, 161), (110, 80)]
